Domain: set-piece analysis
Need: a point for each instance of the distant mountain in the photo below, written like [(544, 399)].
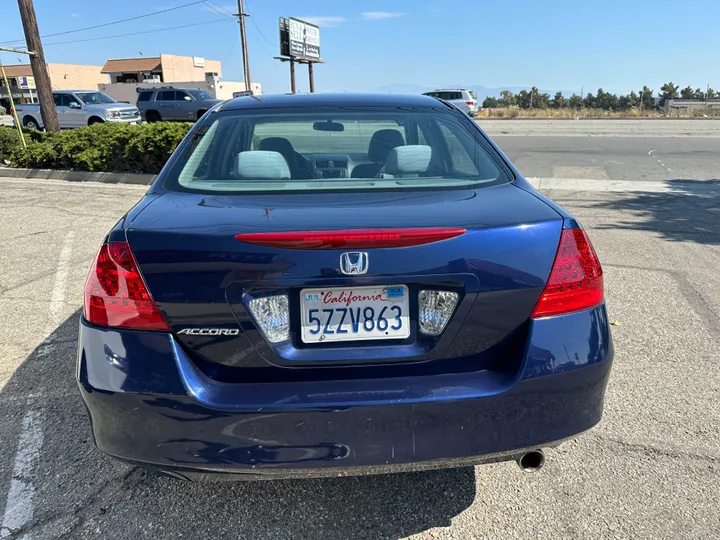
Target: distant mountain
[(481, 91)]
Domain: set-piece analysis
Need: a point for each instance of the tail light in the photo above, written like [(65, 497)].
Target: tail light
[(351, 239), (576, 281), (471, 103), (116, 295)]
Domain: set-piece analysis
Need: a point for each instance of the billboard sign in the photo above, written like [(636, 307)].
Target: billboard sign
[(304, 39), (284, 25)]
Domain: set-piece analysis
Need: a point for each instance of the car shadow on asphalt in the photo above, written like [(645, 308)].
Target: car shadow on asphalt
[(78, 492), (689, 214)]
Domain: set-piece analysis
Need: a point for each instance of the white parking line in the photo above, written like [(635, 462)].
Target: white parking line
[(19, 507), (58, 293)]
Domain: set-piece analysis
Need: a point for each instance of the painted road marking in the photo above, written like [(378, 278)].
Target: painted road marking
[(58, 293), (20, 507)]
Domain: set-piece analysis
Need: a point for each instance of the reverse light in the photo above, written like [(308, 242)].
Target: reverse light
[(116, 295), (272, 314), (575, 281), (436, 308), (351, 239)]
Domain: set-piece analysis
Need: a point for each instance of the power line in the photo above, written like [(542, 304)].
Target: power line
[(135, 33), (237, 39), (257, 27), (221, 8), (218, 10), (114, 22)]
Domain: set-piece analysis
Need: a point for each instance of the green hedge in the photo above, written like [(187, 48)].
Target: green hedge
[(108, 147)]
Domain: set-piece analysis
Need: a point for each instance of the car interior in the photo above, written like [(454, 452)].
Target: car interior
[(349, 152)]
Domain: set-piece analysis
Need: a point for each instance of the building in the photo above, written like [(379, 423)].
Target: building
[(690, 105), (127, 74), (62, 76)]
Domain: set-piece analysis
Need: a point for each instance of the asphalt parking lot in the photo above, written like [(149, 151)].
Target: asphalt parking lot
[(651, 469)]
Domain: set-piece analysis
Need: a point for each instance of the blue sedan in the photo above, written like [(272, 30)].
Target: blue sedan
[(326, 285)]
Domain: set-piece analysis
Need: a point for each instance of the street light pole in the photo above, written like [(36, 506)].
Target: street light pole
[(39, 67)]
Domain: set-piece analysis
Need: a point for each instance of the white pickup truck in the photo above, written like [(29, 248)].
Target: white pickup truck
[(80, 108)]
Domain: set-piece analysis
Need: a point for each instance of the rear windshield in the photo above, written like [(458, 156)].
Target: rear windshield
[(329, 148), (446, 95), (144, 96)]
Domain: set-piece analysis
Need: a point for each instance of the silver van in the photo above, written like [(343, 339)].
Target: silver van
[(465, 100)]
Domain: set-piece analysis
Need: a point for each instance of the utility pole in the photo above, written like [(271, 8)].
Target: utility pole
[(39, 67), (246, 61)]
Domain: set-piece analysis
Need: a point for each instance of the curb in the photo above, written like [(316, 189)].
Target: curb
[(541, 184), (79, 176)]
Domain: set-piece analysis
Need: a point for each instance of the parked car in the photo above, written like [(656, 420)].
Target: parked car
[(168, 103), (80, 108), (465, 100), (341, 284)]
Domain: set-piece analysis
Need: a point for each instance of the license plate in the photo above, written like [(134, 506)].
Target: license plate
[(355, 314)]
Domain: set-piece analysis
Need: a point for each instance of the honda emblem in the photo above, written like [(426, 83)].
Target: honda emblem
[(354, 263)]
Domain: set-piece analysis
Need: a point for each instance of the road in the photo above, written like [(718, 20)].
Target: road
[(615, 158), (650, 470)]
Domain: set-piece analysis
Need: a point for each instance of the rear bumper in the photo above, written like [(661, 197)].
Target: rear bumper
[(150, 405)]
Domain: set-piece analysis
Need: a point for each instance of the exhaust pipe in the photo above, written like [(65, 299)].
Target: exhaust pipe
[(532, 461)]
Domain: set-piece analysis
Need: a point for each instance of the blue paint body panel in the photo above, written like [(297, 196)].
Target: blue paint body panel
[(494, 384)]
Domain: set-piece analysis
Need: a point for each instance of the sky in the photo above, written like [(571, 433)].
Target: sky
[(618, 45)]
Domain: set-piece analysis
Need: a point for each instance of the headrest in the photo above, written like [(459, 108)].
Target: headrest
[(382, 142), (411, 159), (277, 144), (262, 165)]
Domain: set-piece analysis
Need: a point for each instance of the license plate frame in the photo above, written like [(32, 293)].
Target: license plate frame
[(394, 298)]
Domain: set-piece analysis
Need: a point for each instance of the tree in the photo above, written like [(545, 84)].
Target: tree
[(646, 98), (508, 99), (523, 99), (541, 101), (633, 100), (688, 93), (711, 94), (575, 101), (559, 101), (589, 101), (606, 100), (491, 103), (668, 91)]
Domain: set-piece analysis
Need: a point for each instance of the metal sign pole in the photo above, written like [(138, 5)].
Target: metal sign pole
[(292, 76), (12, 106), (312, 77)]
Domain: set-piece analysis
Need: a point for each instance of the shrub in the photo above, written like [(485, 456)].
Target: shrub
[(109, 147), (9, 140), (152, 146)]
